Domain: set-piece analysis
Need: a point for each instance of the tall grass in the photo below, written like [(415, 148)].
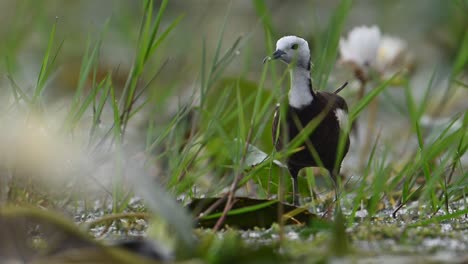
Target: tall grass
[(99, 96), (203, 149)]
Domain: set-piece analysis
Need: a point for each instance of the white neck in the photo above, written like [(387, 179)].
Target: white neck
[(300, 93)]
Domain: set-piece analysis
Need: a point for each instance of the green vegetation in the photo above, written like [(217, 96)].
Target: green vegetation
[(111, 151)]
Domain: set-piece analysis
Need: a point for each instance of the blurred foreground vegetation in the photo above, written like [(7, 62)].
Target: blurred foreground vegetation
[(116, 115)]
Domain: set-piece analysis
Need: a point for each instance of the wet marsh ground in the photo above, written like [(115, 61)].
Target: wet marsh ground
[(116, 115)]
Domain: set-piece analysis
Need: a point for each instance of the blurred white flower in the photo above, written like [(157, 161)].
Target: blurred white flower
[(368, 51), (391, 53), (361, 47)]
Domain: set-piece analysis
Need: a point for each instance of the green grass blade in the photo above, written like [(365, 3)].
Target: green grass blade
[(117, 123), (413, 114), (265, 16), (221, 34), (149, 34), (18, 93), (164, 35), (356, 110), (329, 50), (47, 63), (88, 100), (242, 210), (462, 56)]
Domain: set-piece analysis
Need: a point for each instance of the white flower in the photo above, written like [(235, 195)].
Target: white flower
[(367, 51), (391, 52), (361, 46)]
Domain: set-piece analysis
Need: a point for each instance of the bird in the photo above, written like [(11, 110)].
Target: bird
[(320, 148)]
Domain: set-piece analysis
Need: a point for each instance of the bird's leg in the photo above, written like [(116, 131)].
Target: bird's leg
[(336, 182), (294, 172)]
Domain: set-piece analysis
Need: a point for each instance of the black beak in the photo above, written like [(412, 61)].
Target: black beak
[(277, 54)]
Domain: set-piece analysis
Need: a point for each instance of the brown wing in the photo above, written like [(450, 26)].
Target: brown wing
[(275, 128), (334, 100)]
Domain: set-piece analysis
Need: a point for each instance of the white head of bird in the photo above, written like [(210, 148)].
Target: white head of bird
[(292, 49), (295, 50)]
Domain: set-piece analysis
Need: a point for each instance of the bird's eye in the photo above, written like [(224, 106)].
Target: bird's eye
[(294, 46)]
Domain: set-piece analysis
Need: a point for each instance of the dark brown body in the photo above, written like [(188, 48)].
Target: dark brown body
[(324, 139)]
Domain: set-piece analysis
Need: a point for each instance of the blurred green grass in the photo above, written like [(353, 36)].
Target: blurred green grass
[(186, 115)]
